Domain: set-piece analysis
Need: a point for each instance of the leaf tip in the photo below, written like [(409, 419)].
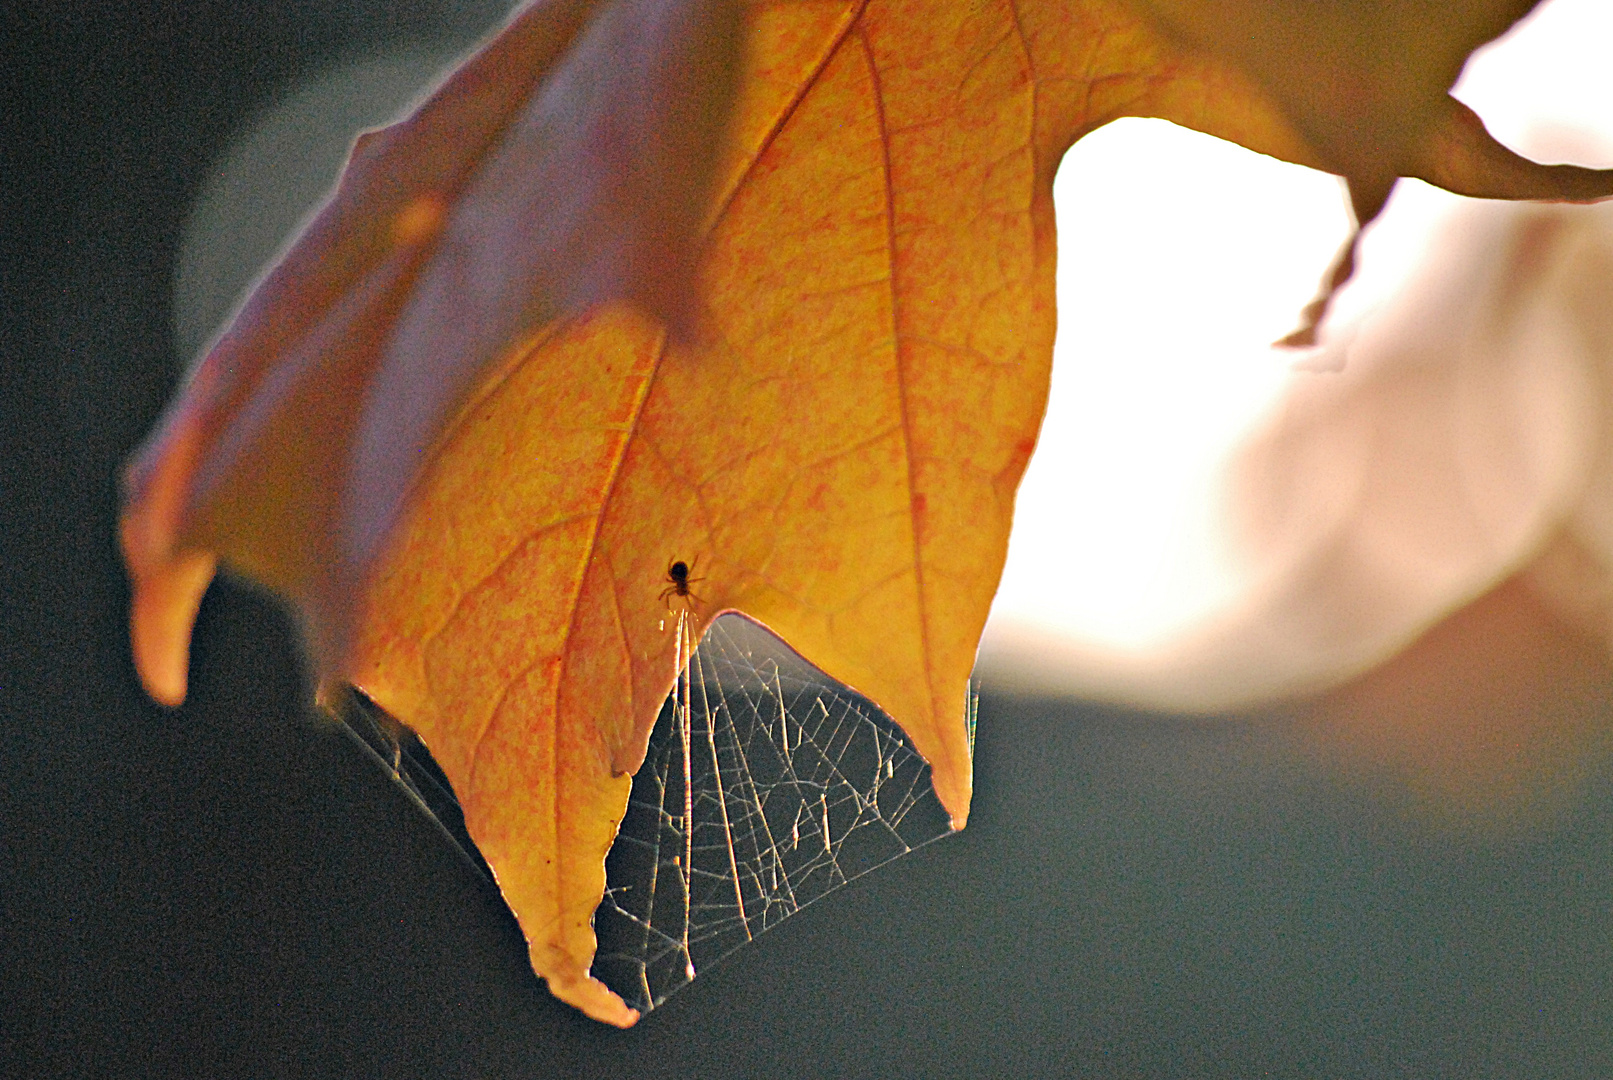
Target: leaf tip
[(1302, 338), (953, 788), (166, 599), (594, 999), (167, 579)]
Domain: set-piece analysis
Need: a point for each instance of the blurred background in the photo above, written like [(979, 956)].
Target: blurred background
[(1401, 872)]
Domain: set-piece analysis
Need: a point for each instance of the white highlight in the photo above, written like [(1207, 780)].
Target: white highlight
[(1181, 259)]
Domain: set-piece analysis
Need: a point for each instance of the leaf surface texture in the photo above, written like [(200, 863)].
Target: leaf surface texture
[(765, 288)]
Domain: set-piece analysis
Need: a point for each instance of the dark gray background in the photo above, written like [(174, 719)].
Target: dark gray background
[(228, 890)]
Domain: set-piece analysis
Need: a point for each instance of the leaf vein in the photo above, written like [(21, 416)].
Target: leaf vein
[(905, 405)]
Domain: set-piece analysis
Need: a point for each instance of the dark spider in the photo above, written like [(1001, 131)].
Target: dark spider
[(679, 575)]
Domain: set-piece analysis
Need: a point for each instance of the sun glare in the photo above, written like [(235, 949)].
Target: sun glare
[(1181, 258)]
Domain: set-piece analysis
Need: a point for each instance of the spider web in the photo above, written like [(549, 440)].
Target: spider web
[(767, 785)]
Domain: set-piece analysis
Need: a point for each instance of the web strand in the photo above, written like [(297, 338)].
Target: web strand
[(766, 786)]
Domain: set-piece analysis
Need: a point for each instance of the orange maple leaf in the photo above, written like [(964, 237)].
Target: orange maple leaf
[(766, 285)]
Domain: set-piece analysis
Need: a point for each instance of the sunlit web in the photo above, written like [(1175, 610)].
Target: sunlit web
[(766, 786)]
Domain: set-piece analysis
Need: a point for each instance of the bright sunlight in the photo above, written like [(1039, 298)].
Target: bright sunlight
[(1181, 258)]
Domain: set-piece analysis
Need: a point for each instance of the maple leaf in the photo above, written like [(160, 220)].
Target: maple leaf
[(763, 288)]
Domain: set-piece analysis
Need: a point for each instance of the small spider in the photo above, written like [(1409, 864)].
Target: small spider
[(680, 575)]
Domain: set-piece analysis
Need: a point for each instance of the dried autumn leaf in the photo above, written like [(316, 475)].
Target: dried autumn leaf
[(436, 428)]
